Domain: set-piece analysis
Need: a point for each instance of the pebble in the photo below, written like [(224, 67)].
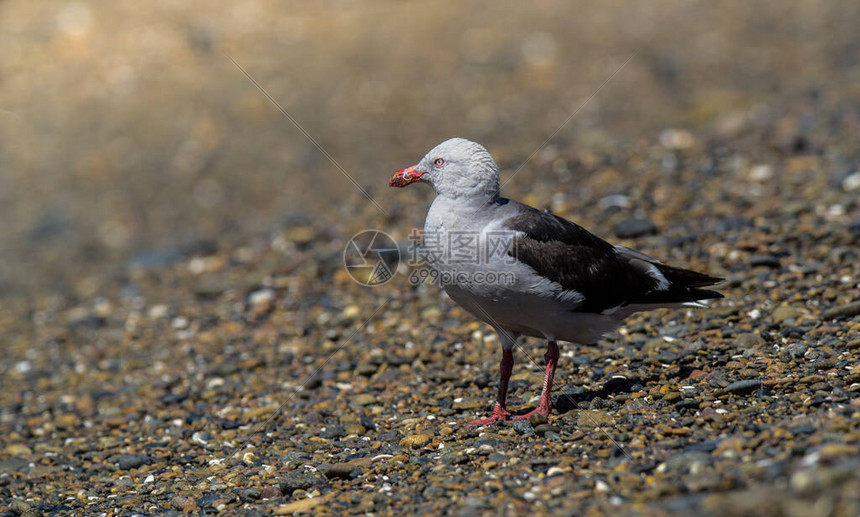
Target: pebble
[(672, 396), (523, 427), (250, 495), (335, 431), (634, 227), (848, 310), (302, 505), (415, 441), (590, 418), (18, 449), (184, 504), (851, 182), (340, 470), (205, 289), (133, 461), (366, 369), (261, 301), (798, 350), (743, 387), (364, 399), (542, 429), (748, 340), (764, 260), (270, 492), (826, 363), (687, 404), (784, 312), (433, 491), (300, 480), (536, 419), (23, 509)]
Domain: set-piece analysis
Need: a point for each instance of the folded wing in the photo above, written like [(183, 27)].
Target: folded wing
[(608, 277)]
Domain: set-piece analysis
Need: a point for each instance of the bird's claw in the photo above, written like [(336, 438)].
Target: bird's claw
[(500, 414), (544, 408)]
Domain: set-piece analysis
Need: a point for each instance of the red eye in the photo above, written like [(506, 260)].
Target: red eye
[(438, 162)]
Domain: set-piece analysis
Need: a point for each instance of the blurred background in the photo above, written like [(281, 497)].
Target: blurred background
[(127, 135)]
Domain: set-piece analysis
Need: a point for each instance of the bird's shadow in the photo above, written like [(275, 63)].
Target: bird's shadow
[(571, 397)]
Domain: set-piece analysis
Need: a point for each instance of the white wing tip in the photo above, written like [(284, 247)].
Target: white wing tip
[(701, 304)]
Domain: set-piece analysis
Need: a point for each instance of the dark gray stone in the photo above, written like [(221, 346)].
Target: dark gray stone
[(523, 427), (133, 461), (848, 310), (300, 480), (634, 227), (744, 387)]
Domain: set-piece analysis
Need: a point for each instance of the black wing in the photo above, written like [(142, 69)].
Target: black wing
[(607, 276)]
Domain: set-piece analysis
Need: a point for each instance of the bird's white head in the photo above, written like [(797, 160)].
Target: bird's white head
[(455, 168)]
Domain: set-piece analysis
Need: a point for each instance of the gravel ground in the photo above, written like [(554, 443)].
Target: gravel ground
[(245, 372), (259, 377)]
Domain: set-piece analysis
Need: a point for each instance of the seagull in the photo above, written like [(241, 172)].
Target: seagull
[(527, 272)]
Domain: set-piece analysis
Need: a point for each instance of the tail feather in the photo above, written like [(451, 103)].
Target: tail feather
[(675, 285), (684, 287), (686, 277)]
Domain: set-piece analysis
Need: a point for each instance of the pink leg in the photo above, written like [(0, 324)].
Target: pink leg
[(500, 414), (545, 405)]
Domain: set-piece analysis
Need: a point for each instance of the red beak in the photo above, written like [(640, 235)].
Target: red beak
[(406, 176)]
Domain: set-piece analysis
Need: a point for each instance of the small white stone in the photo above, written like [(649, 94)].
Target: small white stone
[(214, 382), (261, 298), (554, 471), (761, 173), (836, 210), (157, 311), (196, 266), (102, 307), (852, 182), (179, 322)]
